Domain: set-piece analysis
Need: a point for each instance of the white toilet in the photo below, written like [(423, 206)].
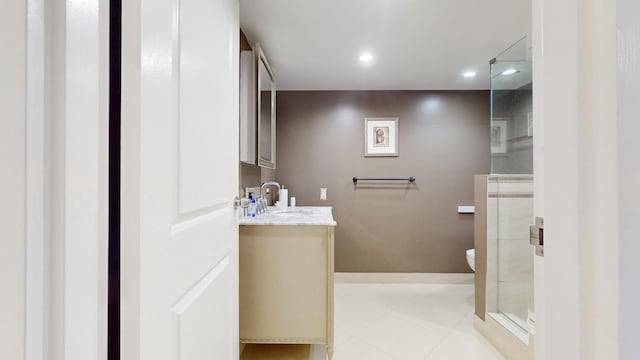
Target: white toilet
[(471, 259)]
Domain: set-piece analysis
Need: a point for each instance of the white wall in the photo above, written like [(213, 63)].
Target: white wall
[(12, 178), (629, 174)]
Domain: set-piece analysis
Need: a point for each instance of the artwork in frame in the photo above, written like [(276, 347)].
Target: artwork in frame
[(498, 137), (380, 137)]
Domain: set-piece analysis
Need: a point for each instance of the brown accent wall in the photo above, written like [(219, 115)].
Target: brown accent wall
[(251, 175), (480, 240), (443, 142)]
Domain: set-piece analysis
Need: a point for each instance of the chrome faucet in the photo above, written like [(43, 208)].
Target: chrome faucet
[(262, 202), (268, 183)]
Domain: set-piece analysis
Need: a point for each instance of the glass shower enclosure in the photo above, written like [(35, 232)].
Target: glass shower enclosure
[(510, 196)]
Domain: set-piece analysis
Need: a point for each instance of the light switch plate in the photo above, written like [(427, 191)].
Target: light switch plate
[(465, 209), (323, 193)]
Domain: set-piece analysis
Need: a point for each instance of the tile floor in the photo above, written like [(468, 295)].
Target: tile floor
[(392, 321)]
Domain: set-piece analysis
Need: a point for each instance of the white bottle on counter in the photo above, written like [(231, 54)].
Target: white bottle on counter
[(283, 196), (252, 206)]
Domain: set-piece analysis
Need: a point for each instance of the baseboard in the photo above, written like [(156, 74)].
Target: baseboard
[(403, 278), (506, 342)]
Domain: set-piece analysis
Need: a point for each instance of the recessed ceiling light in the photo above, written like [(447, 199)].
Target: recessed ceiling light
[(366, 57), (469, 74), (509, 72)]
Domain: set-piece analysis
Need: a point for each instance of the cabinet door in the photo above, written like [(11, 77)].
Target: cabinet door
[(248, 124), (284, 284), (266, 114)]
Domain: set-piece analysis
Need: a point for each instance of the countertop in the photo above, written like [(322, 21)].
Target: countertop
[(300, 215)]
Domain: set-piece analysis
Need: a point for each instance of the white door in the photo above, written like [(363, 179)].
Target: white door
[(179, 179)]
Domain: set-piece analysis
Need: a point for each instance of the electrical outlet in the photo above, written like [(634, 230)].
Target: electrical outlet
[(323, 193)]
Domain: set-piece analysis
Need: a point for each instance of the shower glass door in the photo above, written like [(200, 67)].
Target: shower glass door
[(510, 204)]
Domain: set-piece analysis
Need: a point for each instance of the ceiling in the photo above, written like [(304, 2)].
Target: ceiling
[(416, 44)]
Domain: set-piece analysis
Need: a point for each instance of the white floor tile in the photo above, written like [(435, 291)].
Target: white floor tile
[(355, 349), (397, 322), (465, 343), (443, 305), (402, 339), (355, 308), (412, 321)]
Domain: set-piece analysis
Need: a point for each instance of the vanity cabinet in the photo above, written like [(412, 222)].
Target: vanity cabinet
[(286, 284)]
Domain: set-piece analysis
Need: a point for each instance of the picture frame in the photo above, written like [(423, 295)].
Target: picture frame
[(498, 137), (380, 137)]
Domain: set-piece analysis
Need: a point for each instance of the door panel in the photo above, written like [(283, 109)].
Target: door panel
[(196, 248), (204, 314), (180, 175), (205, 72)]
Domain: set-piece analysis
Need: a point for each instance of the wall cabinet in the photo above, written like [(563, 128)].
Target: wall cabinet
[(257, 109), (248, 124)]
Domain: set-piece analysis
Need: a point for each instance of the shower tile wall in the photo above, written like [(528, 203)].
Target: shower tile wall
[(515, 107), (509, 214)]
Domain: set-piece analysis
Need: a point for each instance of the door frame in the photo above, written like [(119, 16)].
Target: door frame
[(576, 166), (13, 182), (629, 175), (66, 178), (37, 249)]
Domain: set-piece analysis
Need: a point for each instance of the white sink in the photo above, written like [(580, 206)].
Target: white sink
[(291, 212)]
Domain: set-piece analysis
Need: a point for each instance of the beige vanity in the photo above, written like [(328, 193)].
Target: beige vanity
[(286, 277)]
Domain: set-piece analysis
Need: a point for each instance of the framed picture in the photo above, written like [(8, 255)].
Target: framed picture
[(381, 137), (498, 137)]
